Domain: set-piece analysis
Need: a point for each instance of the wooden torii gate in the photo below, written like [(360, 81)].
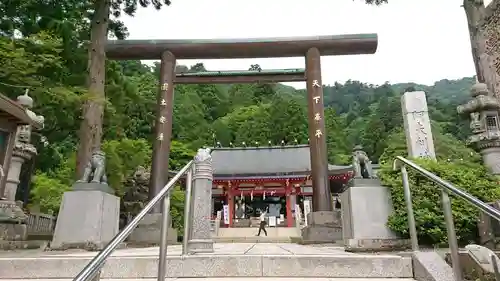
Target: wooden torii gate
[(312, 48)]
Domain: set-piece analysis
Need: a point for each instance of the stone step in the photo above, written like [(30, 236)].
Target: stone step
[(241, 279), (252, 239), (278, 232), (340, 265)]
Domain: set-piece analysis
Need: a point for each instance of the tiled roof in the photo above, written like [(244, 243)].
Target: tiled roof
[(266, 160)]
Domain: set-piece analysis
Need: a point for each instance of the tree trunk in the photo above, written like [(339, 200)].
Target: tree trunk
[(93, 107), (484, 36), (474, 12)]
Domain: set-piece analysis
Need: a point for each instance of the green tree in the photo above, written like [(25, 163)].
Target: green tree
[(338, 147), (287, 120), (93, 108), (122, 159), (46, 193), (190, 124), (255, 67), (456, 164), (376, 2)]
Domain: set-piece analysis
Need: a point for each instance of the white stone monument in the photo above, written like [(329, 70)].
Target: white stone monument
[(417, 125), (366, 204)]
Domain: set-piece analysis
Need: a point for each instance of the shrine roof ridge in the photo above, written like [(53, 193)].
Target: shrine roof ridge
[(329, 45), (337, 170), (243, 72), (265, 160), (289, 146)]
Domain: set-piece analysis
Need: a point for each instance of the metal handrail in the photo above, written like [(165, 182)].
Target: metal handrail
[(445, 200), (93, 267)]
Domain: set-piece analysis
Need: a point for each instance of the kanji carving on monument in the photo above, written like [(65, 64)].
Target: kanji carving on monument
[(417, 125), (163, 102), (421, 133), (316, 84)]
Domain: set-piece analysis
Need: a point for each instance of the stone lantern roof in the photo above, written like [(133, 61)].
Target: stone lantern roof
[(482, 100), (25, 100), (12, 110)]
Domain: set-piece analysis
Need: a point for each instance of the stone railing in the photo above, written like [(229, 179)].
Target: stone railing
[(40, 224), (299, 219), (299, 222), (214, 227)]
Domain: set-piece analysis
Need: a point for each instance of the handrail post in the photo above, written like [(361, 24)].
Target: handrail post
[(452, 237), (187, 209), (409, 206), (96, 263), (162, 263), (494, 262)]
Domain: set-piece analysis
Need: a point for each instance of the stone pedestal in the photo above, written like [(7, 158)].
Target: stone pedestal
[(366, 206), (200, 238), (322, 227), (12, 222), (491, 159), (92, 186), (10, 231), (87, 218), (147, 232)]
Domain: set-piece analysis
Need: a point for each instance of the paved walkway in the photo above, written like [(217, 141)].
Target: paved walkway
[(240, 279), (263, 261), (219, 249)]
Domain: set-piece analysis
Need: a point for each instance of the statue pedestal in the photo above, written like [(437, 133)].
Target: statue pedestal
[(323, 228), (147, 232), (92, 186), (87, 218), (491, 156), (12, 222), (366, 206)]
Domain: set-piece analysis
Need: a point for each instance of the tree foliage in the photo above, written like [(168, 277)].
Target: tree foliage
[(376, 2), (456, 164)]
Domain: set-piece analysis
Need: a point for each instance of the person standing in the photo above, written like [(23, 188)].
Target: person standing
[(262, 226)]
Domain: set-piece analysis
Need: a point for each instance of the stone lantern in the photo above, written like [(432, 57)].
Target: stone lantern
[(483, 113), (23, 150)]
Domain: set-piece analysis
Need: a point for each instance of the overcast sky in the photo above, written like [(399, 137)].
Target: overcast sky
[(420, 41)]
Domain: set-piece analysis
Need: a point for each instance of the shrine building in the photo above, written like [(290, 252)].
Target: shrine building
[(248, 180)]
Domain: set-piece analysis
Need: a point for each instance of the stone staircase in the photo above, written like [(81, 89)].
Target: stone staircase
[(234, 261)]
